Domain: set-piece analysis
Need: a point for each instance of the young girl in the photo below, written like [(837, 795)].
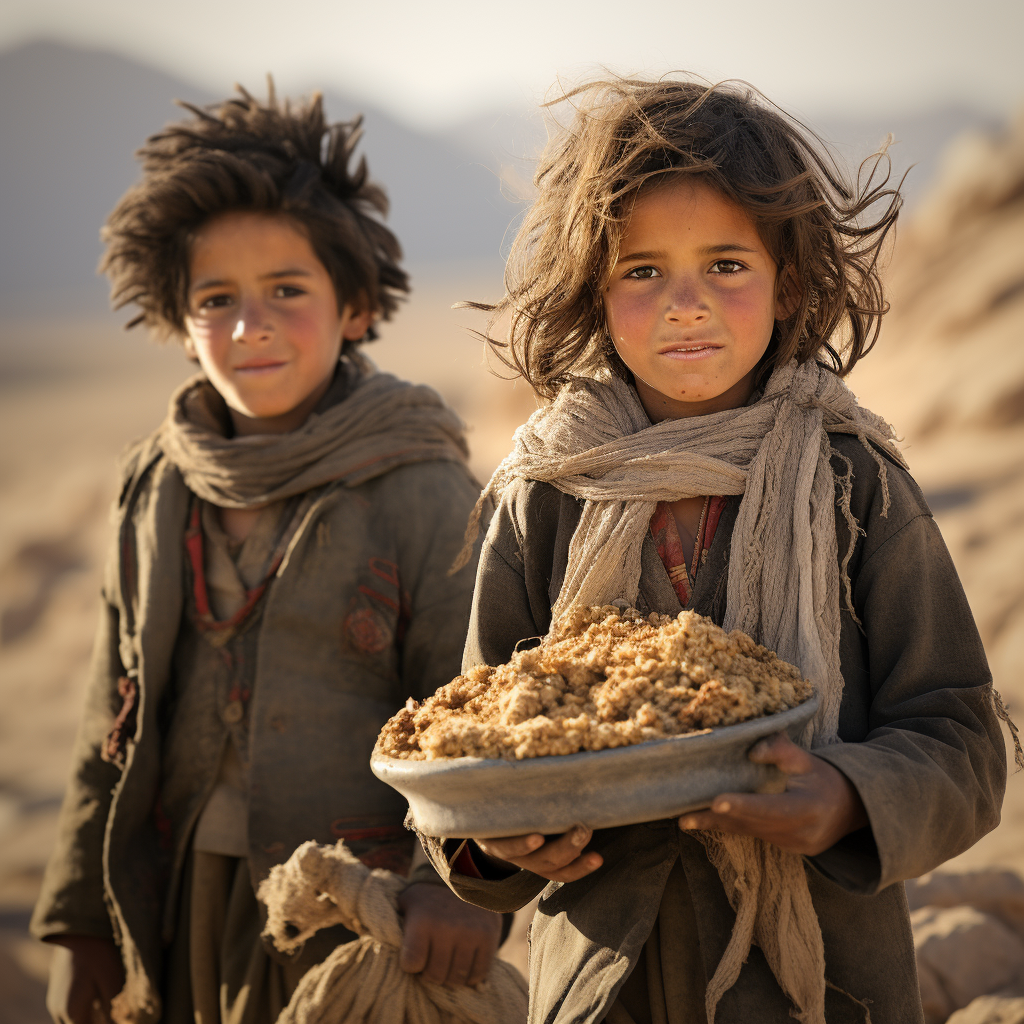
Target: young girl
[(692, 283)]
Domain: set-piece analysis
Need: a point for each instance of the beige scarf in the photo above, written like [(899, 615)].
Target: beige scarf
[(367, 424), (596, 442)]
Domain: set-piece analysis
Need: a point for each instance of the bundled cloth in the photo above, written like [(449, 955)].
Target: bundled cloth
[(361, 982)]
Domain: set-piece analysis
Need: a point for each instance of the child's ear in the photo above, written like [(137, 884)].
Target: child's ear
[(788, 293), (355, 322), (190, 349)]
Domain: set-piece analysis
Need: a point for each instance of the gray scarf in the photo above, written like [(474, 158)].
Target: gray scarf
[(367, 424)]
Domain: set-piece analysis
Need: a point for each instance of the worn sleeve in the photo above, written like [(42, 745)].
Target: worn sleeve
[(502, 895), (931, 767), (511, 600), (72, 900), (501, 617), (438, 611)]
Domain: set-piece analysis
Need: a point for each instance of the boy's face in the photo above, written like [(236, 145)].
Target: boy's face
[(691, 301), (263, 319)]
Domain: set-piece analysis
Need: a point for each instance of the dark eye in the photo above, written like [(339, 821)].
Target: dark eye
[(643, 273), (215, 301), (727, 267), (287, 291)]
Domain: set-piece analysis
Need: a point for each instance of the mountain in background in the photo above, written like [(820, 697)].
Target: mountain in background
[(71, 118)]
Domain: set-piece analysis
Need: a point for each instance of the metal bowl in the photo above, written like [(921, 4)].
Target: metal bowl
[(480, 798)]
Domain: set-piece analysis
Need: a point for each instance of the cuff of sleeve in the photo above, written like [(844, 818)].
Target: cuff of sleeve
[(855, 862), (46, 928), (467, 860)]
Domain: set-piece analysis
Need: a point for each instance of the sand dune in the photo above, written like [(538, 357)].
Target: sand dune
[(949, 372)]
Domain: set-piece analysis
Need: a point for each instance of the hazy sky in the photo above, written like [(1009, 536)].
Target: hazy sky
[(435, 63)]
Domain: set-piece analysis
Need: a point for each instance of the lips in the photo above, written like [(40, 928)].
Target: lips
[(260, 364), (691, 350)]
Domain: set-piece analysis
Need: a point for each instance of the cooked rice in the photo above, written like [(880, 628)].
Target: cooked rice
[(604, 678)]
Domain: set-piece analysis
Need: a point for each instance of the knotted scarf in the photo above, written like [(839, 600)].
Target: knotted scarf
[(786, 583), (367, 424)]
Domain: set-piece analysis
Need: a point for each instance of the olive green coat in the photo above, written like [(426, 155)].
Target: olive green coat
[(360, 615)]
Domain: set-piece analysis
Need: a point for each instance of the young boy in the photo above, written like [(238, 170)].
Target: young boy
[(278, 585)]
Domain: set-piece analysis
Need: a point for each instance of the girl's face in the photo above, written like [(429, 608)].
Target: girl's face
[(263, 320), (691, 302)]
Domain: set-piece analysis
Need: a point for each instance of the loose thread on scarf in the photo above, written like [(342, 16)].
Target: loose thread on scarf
[(1004, 715), (845, 483), (862, 1003)]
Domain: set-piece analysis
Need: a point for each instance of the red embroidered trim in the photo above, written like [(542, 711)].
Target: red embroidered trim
[(123, 728), (205, 621), (670, 545), (382, 832)]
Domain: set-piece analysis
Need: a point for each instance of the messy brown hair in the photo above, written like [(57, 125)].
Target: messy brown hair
[(631, 133), (241, 154)]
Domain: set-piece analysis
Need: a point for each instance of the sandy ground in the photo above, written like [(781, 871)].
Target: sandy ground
[(949, 373)]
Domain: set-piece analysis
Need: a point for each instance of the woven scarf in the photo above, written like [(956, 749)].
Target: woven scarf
[(786, 583), (367, 424)]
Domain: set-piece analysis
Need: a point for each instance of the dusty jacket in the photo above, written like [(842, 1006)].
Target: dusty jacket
[(921, 745), (360, 615)]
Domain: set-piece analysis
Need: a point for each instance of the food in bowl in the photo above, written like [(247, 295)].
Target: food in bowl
[(604, 677)]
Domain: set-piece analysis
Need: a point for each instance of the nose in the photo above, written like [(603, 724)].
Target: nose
[(254, 324), (687, 304)]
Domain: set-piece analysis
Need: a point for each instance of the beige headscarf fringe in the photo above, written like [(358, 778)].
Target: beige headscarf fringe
[(1004, 716), (784, 584), (382, 422), (361, 981)]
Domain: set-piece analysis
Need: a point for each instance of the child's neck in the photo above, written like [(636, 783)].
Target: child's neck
[(245, 425), (659, 406)]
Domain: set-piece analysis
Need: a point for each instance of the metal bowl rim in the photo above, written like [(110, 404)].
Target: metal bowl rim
[(706, 738)]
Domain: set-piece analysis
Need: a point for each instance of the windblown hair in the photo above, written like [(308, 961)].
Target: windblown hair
[(628, 134), (240, 154)]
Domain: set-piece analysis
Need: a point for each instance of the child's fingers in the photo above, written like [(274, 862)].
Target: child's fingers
[(745, 807), (415, 948), (789, 820), (559, 860), (439, 963), (782, 752), (482, 961), (461, 967), (579, 868), (511, 847)]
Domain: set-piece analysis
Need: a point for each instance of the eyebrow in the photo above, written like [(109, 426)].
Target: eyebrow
[(710, 250), (215, 282)]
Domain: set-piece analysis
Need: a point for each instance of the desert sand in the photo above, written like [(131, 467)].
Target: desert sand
[(948, 372)]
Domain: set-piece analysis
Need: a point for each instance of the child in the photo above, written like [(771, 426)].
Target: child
[(691, 284), (278, 586)]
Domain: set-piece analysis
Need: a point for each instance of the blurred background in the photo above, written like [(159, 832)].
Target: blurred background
[(450, 94)]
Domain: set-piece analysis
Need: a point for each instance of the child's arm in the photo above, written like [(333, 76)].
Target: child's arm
[(71, 913), (445, 938), (72, 901)]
